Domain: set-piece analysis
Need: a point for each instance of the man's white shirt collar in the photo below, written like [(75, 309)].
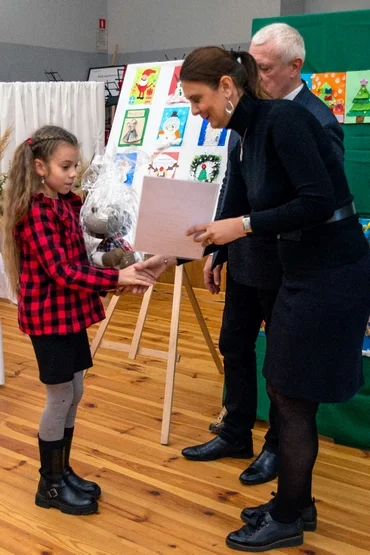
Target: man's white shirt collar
[(293, 94)]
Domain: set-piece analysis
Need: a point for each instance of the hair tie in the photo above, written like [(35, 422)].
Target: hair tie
[(29, 141)]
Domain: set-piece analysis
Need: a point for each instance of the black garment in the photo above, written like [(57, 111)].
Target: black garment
[(59, 357), (314, 350), (254, 263), (291, 178), (245, 308)]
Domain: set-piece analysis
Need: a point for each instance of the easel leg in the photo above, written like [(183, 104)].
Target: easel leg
[(103, 326), (172, 352), (134, 347), (202, 323)]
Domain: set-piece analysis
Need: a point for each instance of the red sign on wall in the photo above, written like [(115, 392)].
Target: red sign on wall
[(102, 23)]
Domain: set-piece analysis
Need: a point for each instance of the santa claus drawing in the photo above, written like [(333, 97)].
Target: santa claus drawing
[(143, 83)]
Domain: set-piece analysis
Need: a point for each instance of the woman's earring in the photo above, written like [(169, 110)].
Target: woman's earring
[(229, 108), (42, 181)]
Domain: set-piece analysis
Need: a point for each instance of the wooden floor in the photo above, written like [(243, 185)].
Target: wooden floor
[(154, 501)]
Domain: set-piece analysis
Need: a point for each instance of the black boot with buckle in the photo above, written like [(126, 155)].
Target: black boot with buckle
[(70, 476), (54, 490)]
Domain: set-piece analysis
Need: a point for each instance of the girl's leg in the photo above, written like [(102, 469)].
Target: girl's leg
[(78, 390), (54, 490), (86, 486), (59, 399)]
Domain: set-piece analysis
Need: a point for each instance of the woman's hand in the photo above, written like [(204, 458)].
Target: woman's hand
[(131, 276), (219, 232), (212, 278), (156, 265)]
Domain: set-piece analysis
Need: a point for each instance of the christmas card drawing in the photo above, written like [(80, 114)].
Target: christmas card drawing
[(211, 137), (133, 127), (330, 87), (358, 97), (164, 164), (205, 167), (172, 127), (308, 78), (144, 84), (175, 93), (129, 162)]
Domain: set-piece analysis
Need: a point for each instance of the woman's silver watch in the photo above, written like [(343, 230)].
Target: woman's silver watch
[(246, 221)]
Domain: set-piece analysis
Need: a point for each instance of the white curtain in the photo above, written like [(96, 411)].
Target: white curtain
[(79, 107)]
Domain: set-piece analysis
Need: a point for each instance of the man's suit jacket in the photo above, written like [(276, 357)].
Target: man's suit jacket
[(335, 133)]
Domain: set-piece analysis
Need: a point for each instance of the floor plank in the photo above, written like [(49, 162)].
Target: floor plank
[(154, 501)]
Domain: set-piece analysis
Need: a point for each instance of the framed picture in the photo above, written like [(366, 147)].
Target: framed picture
[(111, 76)]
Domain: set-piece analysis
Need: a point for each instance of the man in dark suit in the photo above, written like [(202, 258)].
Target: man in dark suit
[(254, 273)]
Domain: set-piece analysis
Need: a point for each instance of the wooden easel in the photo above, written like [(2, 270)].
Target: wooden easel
[(133, 349)]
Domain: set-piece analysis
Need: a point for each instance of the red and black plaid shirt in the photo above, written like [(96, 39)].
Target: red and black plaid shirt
[(58, 289)]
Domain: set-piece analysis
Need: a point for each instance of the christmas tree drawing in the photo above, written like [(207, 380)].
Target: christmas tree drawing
[(361, 103), (325, 93)]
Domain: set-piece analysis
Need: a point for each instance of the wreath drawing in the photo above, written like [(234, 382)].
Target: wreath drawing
[(205, 167)]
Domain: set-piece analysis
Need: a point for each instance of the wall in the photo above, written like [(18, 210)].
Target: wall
[(175, 26), (49, 34), (321, 6), (292, 7)]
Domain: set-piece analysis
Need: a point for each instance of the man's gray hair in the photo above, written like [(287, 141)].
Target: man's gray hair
[(288, 41)]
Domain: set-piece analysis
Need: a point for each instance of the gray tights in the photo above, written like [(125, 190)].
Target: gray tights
[(62, 400)]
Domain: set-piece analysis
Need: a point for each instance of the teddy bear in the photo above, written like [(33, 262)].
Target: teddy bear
[(108, 215), (110, 226)]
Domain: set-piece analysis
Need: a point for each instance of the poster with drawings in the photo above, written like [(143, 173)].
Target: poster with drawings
[(176, 144), (171, 142)]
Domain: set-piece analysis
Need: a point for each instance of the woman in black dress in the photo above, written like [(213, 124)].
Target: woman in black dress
[(285, 181)]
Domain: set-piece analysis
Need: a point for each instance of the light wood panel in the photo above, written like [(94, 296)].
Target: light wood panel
[(154, 501)]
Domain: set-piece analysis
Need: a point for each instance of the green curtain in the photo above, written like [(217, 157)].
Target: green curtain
[(337, 42)]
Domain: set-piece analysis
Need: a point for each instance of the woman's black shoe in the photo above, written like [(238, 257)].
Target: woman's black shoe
[(309, 515), (266, 534)]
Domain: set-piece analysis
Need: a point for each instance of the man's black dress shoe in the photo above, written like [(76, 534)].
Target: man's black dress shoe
[(266, 534), (263, 469), (217, 448), (309, 514)]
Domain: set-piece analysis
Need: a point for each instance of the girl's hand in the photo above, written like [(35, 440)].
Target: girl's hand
[(156, 265), (219, 232), (134, 277), (135, 289)]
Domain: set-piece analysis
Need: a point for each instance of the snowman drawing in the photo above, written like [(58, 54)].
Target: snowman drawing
[(170, 134)]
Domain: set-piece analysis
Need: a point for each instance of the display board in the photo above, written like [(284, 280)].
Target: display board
[(153, 115)]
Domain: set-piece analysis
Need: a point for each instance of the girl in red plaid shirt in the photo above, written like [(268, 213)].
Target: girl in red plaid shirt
[(58, 298)]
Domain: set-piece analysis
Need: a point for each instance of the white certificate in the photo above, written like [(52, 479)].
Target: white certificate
[(168, 208)]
